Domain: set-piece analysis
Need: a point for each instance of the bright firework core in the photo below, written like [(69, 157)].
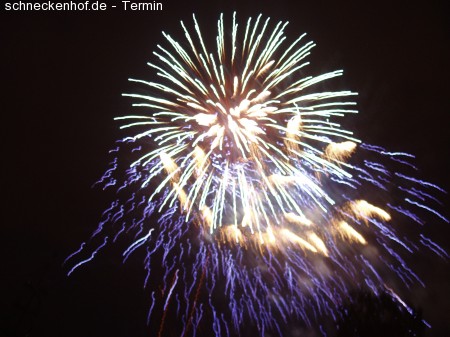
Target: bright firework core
[(254, 184)]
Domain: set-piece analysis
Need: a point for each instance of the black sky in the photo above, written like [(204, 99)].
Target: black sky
[(62, 78)]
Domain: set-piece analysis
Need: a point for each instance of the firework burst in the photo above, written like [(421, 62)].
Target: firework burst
[(260, 202)]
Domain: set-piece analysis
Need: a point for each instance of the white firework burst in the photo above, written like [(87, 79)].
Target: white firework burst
[(244, 144)]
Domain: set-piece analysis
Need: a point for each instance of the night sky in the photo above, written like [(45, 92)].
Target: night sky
[(62, 79)]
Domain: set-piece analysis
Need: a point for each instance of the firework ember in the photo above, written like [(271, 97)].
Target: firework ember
[(241, 183)]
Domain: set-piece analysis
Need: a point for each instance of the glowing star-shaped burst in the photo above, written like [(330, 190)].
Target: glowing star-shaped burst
[(254, 183), (240, 142)]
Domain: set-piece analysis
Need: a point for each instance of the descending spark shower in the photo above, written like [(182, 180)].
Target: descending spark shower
[(247, 193)]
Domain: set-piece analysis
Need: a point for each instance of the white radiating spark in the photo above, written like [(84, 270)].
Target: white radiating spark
[(225, 131)]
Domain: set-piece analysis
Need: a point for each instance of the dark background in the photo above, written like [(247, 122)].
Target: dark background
[(62, 77)]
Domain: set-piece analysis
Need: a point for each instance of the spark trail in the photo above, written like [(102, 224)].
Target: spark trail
[(242, 185)]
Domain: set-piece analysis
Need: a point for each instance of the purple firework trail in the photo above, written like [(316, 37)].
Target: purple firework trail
[(239, 181)]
